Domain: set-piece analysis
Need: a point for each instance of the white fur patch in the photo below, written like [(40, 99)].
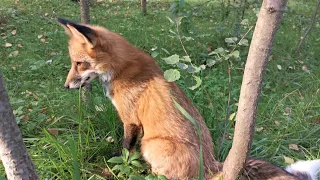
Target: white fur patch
[(91, 74), (105, 79), (312, 168)]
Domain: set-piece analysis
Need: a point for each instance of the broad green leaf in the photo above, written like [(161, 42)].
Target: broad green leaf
[(182, 65), (162, 177), (212, 53), (231, 40), (236, 54), (126, 170), (125, 154), (173, 5), (172, 59), (154, 54), (202, 67), (172, 75), (219, 50), (245, 22), (196, 83), (244, 42), (193, 69), (118, 167), (151, 177), (186, 59), (135, 177), (210, 62), (115, 160), (136, 163), (135, 156)]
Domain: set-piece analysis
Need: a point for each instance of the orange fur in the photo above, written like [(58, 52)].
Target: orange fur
[(135, 84)]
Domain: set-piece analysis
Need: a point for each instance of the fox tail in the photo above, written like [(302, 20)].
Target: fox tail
[(309, 168)]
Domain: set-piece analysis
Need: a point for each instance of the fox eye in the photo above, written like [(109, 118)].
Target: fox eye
[(79, 63)]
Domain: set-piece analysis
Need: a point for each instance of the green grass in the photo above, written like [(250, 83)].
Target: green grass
[(289, 109)]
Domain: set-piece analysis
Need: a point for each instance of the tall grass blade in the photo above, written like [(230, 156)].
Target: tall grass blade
[(188, 116)]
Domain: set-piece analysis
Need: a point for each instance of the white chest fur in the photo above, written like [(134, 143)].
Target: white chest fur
[(105, 79)]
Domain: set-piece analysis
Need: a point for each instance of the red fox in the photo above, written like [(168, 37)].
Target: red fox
[(136, 86)]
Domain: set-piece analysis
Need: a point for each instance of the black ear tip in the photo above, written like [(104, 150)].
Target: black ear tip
[(65, 21), (62, 21)]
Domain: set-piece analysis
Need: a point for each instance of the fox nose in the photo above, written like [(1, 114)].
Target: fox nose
[(66, 86)]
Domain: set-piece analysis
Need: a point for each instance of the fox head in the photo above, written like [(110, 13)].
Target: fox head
[(82, 43), (93, 53)]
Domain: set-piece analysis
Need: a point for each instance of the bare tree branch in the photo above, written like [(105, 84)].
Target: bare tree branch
[(314, 18), (260, 48), (13, 152)]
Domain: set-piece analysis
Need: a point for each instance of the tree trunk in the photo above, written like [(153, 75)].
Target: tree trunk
[(260, 48), (84, 10), (85, 19), (144, 7), (13, 152)]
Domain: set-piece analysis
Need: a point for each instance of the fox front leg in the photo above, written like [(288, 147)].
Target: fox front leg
[(131, 135)]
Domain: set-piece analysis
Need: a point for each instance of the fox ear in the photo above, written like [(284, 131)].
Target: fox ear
[(81, 32)]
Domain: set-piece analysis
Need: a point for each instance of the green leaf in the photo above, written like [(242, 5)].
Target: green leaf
[(118, 167), (172, 75), (193, 69), (151, 177), (126, 170), (154, 54), (231, 40), (245, 22), (136, 163), (219, 50), (125, 154), (236, 54), (162, 177), (202, 67), (196, 81), (173, 5), (186, 59), (210, 62), (212, 53), (172, 59), (135, 177), (182, 65), (135, 156), (115, 160), (244, 42)]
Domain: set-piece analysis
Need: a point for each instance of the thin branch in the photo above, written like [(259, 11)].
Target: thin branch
[(227, 110), (309, 29), (184, 49)]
